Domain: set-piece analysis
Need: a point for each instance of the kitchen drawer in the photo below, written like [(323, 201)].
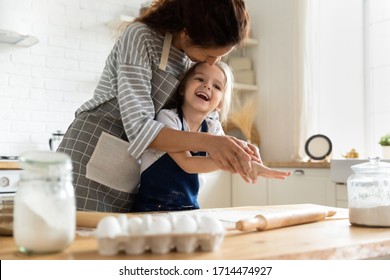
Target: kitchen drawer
[(341, 192)]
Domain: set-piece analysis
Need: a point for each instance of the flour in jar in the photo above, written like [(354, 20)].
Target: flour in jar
[(374, 216), (49, 229)]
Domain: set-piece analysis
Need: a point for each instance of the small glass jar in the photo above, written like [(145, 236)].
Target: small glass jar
[(44, 206), (369, 194)]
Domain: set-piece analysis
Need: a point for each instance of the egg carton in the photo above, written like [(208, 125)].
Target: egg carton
[(158, 235)]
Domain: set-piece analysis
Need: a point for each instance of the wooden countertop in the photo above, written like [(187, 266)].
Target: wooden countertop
[(9, 165), (332, 238)]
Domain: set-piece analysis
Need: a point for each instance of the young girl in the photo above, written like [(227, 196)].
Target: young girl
[(169, 181)]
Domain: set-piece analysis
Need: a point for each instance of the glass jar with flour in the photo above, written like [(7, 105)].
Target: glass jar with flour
[(369, 194), (45, 208)]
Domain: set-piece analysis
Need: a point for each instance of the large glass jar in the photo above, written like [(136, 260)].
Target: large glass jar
[(369, 194), (44, 210)]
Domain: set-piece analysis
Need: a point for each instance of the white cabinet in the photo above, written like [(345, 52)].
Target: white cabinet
[(247, 194), (305, 185), (341, 195), (216, 190)]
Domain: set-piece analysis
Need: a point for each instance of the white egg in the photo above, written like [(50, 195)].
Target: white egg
[(160, 225), (108, 227), (147, 221), (135, 225), (209, 224), (186, 224), (122, 219)]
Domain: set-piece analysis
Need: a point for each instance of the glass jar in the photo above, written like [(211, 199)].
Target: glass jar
[(44, 206), (369, 194)]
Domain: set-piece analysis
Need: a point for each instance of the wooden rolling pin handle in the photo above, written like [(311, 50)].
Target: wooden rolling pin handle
[(251, 224)]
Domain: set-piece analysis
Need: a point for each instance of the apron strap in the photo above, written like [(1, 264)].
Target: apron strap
[(165, 51)]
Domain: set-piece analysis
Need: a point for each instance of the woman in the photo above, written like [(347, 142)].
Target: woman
[(204, 92), (139, 78)]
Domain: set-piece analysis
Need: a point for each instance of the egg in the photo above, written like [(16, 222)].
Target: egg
[(135, 225), (160, 241), (122, 219), (209, 224), (147, 221), (108, 227), (185, 224), (160, 225)]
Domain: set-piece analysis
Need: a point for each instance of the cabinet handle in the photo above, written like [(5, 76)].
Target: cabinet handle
[(299, 172)]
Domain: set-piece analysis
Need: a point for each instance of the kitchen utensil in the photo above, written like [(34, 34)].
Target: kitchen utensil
[(55, 140), (283, 217)]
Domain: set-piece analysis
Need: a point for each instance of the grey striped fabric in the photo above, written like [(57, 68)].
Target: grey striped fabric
[(132, 89)]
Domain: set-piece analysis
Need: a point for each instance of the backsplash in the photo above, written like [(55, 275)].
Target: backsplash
[(41, 86)]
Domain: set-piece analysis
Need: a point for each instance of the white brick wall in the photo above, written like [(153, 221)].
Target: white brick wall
[(41, 86)]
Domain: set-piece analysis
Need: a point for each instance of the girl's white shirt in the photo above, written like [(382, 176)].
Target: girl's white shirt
[(170, 118)]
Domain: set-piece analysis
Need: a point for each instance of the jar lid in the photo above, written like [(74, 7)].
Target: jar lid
[(374, 165), (44, 160)]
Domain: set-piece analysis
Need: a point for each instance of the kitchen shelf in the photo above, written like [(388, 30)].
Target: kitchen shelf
[(250, 42), (245, 87)]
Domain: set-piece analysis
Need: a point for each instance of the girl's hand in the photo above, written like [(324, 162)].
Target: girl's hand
[(258, 169)]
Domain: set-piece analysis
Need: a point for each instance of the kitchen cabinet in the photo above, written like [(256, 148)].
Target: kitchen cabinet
[(341, 195), (248, 194), (215, 191), (305, 185)]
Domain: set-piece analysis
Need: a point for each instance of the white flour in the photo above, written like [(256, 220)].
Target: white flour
[(375, 216), (36, 234)]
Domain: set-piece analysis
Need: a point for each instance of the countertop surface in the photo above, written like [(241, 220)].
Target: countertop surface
[(332, 238)]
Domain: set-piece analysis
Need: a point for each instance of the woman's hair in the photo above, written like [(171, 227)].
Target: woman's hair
[(208, 23), (227, 89)]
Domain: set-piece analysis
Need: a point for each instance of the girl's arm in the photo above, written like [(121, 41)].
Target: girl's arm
[(194, 164), (199, 164), (228, 153)]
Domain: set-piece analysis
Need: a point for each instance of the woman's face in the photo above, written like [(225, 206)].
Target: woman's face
[(209, 55), (199, 54), (204, 89)]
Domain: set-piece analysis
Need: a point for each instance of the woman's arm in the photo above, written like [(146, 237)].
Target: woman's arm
[(228, 153)]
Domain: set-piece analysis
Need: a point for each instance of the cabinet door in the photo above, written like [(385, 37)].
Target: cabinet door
[(247, 194), (215, 191), (306, 185)]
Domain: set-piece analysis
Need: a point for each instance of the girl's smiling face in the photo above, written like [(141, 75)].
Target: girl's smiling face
[(204, 89)]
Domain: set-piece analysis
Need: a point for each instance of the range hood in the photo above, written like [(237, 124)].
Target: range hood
[(17, 39)]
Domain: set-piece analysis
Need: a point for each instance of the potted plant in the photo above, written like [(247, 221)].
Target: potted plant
[(384, 141)]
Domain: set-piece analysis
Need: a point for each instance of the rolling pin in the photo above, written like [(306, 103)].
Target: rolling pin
[(279, 219)]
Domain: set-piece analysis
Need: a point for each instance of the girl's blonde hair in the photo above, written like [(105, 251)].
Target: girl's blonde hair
[(227, 90)]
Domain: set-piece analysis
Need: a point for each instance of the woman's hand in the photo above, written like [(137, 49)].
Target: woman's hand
[(234, 155), (259, 169)]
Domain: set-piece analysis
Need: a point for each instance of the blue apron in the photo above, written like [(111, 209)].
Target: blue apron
[(166, 187)]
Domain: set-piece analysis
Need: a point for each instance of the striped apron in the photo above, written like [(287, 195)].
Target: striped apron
[(81, 138)]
